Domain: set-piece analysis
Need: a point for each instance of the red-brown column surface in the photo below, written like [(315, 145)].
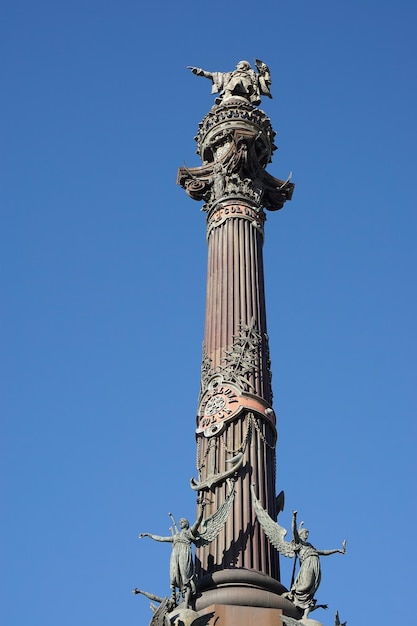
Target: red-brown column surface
[(235, 302), (236, 434)]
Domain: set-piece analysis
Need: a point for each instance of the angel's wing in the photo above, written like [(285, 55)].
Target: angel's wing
[(337, 621), (274, 532), (290, 621), (213, 524), (201, 620), (158, 618)]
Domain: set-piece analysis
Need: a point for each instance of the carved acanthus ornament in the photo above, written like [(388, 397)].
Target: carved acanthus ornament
[(240, 363)]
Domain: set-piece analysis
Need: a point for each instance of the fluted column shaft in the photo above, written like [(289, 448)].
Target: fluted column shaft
[(235, 314), (235, 291)]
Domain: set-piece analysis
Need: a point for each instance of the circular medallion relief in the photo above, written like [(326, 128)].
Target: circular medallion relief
[(219, 403)]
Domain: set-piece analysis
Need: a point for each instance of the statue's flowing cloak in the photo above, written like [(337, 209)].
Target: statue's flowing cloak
[(309, 575), (181, 568), (219, 80)]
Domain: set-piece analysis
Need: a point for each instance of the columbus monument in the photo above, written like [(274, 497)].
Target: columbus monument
[(224, 566)]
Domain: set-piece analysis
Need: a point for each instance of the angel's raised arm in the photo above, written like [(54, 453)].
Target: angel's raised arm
[(156, 537), (194, 528), (294, 527), (150, 596)]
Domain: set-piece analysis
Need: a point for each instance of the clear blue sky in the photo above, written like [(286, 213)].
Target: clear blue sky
[(103, 293)]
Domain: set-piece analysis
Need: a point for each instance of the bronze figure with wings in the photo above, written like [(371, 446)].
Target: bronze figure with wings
[(305, 585), (181, 567)]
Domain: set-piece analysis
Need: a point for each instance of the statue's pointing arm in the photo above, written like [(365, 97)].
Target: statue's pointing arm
[(199, 72), (217, 78)]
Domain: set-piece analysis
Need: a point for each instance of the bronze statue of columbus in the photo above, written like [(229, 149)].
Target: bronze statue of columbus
[(243, 81)]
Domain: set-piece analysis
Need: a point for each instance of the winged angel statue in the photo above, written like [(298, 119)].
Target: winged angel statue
[(181, 566), (304, 587)]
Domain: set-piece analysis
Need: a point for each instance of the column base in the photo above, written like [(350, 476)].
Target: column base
[(229, 615), (243, 588)]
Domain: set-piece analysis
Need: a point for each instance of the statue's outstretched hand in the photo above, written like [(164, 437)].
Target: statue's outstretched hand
[(343, 550)]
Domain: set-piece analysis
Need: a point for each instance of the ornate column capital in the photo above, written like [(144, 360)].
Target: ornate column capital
[(235, 142)]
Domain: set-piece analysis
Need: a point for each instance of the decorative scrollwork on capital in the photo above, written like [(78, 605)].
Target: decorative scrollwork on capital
[(237, 174)]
